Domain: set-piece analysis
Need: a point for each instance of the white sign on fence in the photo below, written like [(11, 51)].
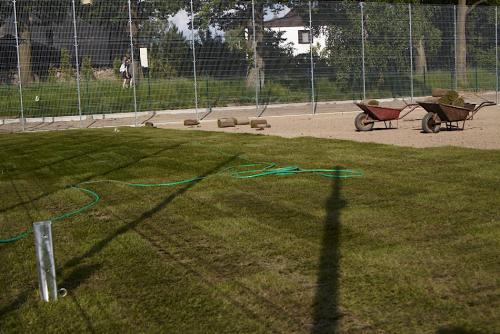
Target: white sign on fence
[(144, 57)]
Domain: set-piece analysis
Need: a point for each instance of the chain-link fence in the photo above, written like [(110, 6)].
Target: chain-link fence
[(81, 58)]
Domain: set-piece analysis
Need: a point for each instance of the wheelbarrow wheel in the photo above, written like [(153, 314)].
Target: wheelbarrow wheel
[(363, 122), (431, 123)]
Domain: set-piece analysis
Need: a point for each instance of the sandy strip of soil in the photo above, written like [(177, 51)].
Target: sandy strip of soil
[(483, 132), (333, 120)]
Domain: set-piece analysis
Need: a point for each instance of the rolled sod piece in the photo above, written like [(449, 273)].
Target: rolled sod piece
[(191, 122), (254, 123), (242, 121), (226, 122), (439, 92)]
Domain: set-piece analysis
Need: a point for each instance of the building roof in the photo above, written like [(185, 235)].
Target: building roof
[(291, 19), (8, 28)]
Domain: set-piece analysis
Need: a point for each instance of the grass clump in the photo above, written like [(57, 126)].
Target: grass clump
[(452, 98)]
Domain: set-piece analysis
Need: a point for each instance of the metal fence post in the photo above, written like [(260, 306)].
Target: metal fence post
[(496, 53), (455, 41), (77, 64), (193, 45), (45, 260), (361, 4), (411, 51), (134, 79), (256, 66), (19, 80), (313, 98)]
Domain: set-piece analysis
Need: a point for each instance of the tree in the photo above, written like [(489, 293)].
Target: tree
[(43, 12), (235, 17), (464, 8), (50, 12), (426, 36), (462, 11)]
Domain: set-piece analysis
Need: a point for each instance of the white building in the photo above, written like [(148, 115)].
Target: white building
[(296, 31)]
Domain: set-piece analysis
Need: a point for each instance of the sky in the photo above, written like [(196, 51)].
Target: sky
[(181, 20)]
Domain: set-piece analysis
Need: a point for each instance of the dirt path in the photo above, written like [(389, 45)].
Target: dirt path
[(483, 132)]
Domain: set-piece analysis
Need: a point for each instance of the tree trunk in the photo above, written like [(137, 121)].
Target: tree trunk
[(25, 56), (421, 59), (258, 73), (461, 44)]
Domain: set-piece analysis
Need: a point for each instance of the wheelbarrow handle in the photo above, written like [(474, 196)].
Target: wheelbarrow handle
[(482, 105), (411, 107), (485, 104)]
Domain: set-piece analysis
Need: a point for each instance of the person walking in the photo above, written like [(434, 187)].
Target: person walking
[(129, 73), (124, 72)]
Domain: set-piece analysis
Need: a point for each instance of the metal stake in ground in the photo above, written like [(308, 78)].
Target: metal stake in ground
[(45, 260)]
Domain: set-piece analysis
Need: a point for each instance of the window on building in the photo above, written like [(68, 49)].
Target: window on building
[(304, 37)]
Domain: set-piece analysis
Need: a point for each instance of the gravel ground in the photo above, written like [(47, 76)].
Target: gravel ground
[(483, 132)]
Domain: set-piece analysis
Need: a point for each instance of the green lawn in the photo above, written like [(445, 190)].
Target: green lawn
[(410, 247)]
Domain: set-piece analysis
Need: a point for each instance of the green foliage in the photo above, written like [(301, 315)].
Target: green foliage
[(117, 62), (52, 75), (161, 69), (65, 66), (168, 50), (87, 71)]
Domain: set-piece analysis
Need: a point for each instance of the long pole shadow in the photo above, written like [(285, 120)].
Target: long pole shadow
[(326, 309), (105, 173)]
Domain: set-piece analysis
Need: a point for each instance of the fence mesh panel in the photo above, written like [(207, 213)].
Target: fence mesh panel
[(338, 51), (481, 64), (224, 55), (387, 55), (10, 101), (234, 53), (103, 43)]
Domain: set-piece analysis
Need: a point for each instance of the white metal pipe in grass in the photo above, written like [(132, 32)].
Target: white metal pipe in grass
[(42, 232)]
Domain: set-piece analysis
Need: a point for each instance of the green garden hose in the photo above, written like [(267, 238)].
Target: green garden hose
[(245, 171)]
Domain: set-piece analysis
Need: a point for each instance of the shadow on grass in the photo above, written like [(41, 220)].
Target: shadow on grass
[(144, 216), (76, 278), (456, 330), (117, 168), (75, 156), (326, 310)]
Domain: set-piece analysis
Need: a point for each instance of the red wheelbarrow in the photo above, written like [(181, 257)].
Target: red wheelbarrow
[(373, 113), (438, 113)]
